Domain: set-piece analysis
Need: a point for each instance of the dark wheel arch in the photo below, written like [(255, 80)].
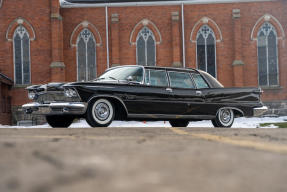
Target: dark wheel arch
[(120, 107)]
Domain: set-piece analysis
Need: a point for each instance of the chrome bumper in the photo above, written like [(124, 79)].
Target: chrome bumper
[(75, 108), (259, 111)]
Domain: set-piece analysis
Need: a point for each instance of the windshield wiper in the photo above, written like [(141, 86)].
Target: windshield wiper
[(97, 79), (113, 78)]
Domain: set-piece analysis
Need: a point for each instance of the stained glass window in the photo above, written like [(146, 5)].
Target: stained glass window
[(21, 43), (146, 50), (206, 50), (86, 56), (267, 55)]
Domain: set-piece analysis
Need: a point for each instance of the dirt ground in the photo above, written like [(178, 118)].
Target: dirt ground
[(143, 159)]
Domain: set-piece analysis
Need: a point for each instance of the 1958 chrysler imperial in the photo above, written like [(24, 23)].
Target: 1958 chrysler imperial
[(144, 93)]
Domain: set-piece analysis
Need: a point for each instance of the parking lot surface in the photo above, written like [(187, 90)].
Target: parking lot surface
[(143, 159)]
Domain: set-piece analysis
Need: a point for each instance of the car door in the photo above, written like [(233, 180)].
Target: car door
[(185, 98), (207, 107), (153, 97)]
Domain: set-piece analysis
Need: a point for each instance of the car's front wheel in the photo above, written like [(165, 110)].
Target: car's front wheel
[(60, 121), (179, 123), (100, 113), (224, 118)]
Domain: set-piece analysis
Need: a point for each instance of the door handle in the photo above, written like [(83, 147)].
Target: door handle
[(198, 93), (169, 89)]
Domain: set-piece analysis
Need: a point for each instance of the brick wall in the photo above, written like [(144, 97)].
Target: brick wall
[(37, 13), (233, 30)]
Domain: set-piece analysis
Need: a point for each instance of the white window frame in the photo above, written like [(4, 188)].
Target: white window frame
[(138, 36), (14, 54), (77, 53), (267, 55), (205, 38)]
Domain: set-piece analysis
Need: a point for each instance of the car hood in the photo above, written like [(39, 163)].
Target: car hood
[(59, 86)]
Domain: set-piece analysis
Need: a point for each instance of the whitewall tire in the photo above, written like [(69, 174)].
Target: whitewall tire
[(224, 118), (100, 113)]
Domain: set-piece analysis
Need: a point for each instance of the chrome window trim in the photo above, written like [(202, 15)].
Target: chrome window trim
[(14, 55)]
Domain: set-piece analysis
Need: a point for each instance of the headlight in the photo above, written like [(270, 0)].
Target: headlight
[(31, 95), (70, 93)]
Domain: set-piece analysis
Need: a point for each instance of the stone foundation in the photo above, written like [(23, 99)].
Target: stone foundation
[(276, 108), (19, 115)]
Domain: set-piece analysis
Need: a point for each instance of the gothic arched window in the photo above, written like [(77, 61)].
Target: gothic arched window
[(86, 56), (206, 50), (21, 44), (146, 50), (267, 55)]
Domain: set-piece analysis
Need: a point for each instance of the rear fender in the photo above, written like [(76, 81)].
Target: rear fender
[(237, 112)]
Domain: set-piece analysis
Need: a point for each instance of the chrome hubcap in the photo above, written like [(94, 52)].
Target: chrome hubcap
[(225, 115), (102, 111)]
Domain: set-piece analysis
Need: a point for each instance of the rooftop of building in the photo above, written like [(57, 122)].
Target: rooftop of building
[(5, 79), (83, 3)]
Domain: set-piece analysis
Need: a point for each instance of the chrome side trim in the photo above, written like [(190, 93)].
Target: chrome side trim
[(259, 111), (164, 116), (109, 96)]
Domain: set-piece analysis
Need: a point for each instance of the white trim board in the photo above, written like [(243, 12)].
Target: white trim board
[(65, 4)]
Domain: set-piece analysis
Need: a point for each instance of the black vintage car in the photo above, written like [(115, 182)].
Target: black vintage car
[(144, 93)]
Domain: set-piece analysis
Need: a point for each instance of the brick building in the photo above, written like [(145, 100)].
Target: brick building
[(5, 99), (240, 42)]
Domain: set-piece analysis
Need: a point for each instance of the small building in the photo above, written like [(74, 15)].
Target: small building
[(5, 99)]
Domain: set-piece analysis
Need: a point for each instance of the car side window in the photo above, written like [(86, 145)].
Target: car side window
[(180, 80), (156, 78), (199, 81)]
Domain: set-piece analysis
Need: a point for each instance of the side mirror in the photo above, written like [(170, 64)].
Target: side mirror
[(130, 78)]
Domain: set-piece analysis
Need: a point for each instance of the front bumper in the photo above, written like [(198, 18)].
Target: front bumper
[(259, 111), (57, 108)]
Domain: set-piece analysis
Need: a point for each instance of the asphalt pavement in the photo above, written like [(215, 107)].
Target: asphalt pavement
[(143, 159)]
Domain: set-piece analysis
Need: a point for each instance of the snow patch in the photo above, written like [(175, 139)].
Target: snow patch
[(241, 122)]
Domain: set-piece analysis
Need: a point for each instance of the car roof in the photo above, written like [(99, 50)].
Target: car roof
[(158, 68)]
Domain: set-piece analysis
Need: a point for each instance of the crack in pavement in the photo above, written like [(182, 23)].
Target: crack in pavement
[(271, 147), (64, 180), (49, 159)]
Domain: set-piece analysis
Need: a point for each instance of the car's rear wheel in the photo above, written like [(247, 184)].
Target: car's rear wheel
[(224, 118), (60, 121), (100, 113), (178, 123)]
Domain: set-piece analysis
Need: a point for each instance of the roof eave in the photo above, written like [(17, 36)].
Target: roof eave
[(66, 4)]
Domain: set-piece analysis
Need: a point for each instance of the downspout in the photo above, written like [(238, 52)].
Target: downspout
[(107, 37), (183, 35)]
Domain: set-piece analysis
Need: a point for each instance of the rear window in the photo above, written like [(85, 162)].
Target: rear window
[(211, 80), (199, 81)]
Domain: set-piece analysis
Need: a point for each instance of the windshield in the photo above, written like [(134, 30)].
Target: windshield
[(133, 73)]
